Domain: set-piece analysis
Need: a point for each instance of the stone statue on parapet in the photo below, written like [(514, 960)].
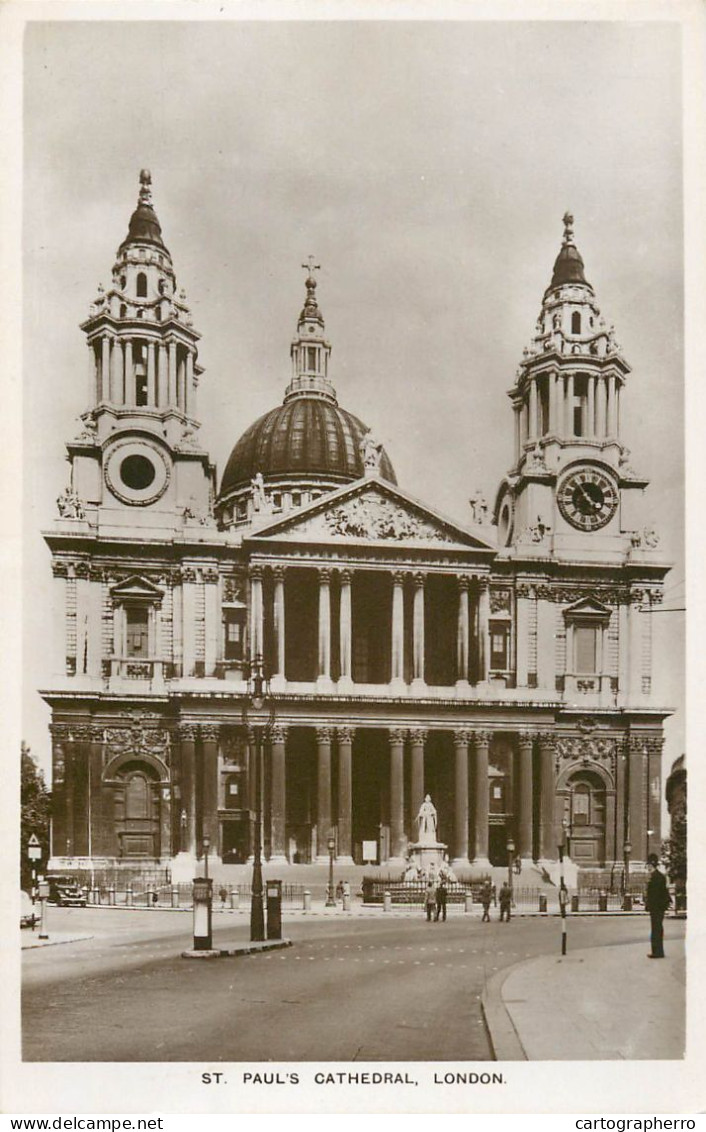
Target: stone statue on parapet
[(371, 454), (259, 499), (479, 508), (427, 822)]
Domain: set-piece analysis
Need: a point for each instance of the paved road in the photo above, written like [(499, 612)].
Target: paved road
[(364, 990)]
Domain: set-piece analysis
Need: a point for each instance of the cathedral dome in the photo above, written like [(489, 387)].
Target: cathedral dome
[(306, 436)]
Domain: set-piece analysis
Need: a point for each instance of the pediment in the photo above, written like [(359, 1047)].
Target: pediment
[(588, 607), (371, 511), (136, 587)]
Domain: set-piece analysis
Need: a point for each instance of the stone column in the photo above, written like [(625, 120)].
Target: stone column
[(163, 377), (188, 613), (612, 420), (117, 389), (323, 792), (188, 382), (210, 824), (278, 679), (655, 744), (398, 842), (324, 674), (211, 625), (463, 652), (524, 815), (483, 630), (151, 381), (345, 795), (130, 397), (58, 823), (554, 403), (522, 635), (256, 610), (187, 742), (591, 407), (418, 737), (547, 832), (517, 410), (97, 846), (569, 406), (345, 681), (460, 847), (278, 850), (397, 650), (172, 380), (634, 660), (418, 632), (481, 795), (533, 430), (601, 424), (637, 800), (103, 390)]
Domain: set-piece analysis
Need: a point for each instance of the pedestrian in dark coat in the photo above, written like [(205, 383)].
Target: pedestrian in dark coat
[(441, 899), (485, 898), (657, 900), (505, 898)]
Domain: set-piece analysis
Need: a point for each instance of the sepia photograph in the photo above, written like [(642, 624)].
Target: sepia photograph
[(351, 751)]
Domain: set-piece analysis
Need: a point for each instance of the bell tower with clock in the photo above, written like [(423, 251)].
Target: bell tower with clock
[(137, 461), (571, 490)]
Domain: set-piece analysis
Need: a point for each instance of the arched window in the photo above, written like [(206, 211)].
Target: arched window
[(141, 288), (575, 322), (137, 797)]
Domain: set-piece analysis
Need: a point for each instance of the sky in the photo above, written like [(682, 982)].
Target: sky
[(426, 166)]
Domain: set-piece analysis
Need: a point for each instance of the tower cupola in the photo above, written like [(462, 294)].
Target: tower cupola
[(310, 351)]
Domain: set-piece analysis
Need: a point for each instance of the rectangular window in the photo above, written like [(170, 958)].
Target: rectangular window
[(140, 389), (136, 632), (235, 633), (311, 359), (585, 648), (499, 641)]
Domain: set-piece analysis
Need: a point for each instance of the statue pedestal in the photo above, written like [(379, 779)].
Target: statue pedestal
[(426, 853)]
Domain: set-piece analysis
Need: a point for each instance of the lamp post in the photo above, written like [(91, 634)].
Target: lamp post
[(258, 716), (563, 890), (627, 850), (510, 858), (206, 844), (330, 902)]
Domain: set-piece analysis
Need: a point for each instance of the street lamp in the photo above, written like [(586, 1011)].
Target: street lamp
[(627, 850), (258, 717), (206, 844), (510, 859), (330, 902)]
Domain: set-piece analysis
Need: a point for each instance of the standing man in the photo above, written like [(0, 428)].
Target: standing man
[(441, 899), (657, 901), (505, 899), (485, 898), (429, 899)]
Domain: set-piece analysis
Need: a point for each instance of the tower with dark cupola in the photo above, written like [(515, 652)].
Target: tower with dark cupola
[(138, 453), (571, 485)]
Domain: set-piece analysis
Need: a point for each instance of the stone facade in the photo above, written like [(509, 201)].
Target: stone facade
[(510, 677)]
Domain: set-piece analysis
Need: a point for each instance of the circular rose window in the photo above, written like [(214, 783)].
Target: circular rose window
[(137, 472)]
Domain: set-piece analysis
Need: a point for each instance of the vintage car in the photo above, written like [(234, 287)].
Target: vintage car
[(66, 891)]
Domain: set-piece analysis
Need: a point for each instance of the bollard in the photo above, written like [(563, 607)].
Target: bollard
[(307, 901), (234, 898), (575, 902), (387, 902), (469, 901), (273, 894), (128, 894), (627, 902), (95, 896), (602, 901), (111, 895), (346, 901), (175, 896), (543, 902)]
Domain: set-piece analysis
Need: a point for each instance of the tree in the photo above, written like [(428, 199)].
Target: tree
[(35, 802), (674, 854)]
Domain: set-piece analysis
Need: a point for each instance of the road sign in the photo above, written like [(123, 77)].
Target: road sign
[(34, 849)]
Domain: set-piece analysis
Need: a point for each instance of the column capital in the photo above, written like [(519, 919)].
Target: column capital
[(186, 732), (525, 739), (419, 578), (210, 732), (255, 570), (418, 735), (278, 572), (396, 736), (324, 573), (345, 734), (398, 577), (324, 735), (464, 582), (547, 740), (97, 733), (278, 733), (482, 738), (462, 737), (345, 576)]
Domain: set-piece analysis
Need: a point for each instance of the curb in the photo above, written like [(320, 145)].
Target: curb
[(504, 1039), (254, 947), (32, 945)]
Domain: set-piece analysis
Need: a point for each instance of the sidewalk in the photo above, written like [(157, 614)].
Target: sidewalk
[(603, 1003)]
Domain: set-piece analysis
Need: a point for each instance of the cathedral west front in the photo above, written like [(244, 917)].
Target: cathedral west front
[(504, 668)]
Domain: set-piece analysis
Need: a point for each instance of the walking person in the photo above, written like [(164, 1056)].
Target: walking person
[(429, 899), (485, 898), (657, 900), (505, 900), (223, 893), (441, 899)]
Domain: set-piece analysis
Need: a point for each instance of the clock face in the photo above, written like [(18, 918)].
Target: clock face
[(587, 498)]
